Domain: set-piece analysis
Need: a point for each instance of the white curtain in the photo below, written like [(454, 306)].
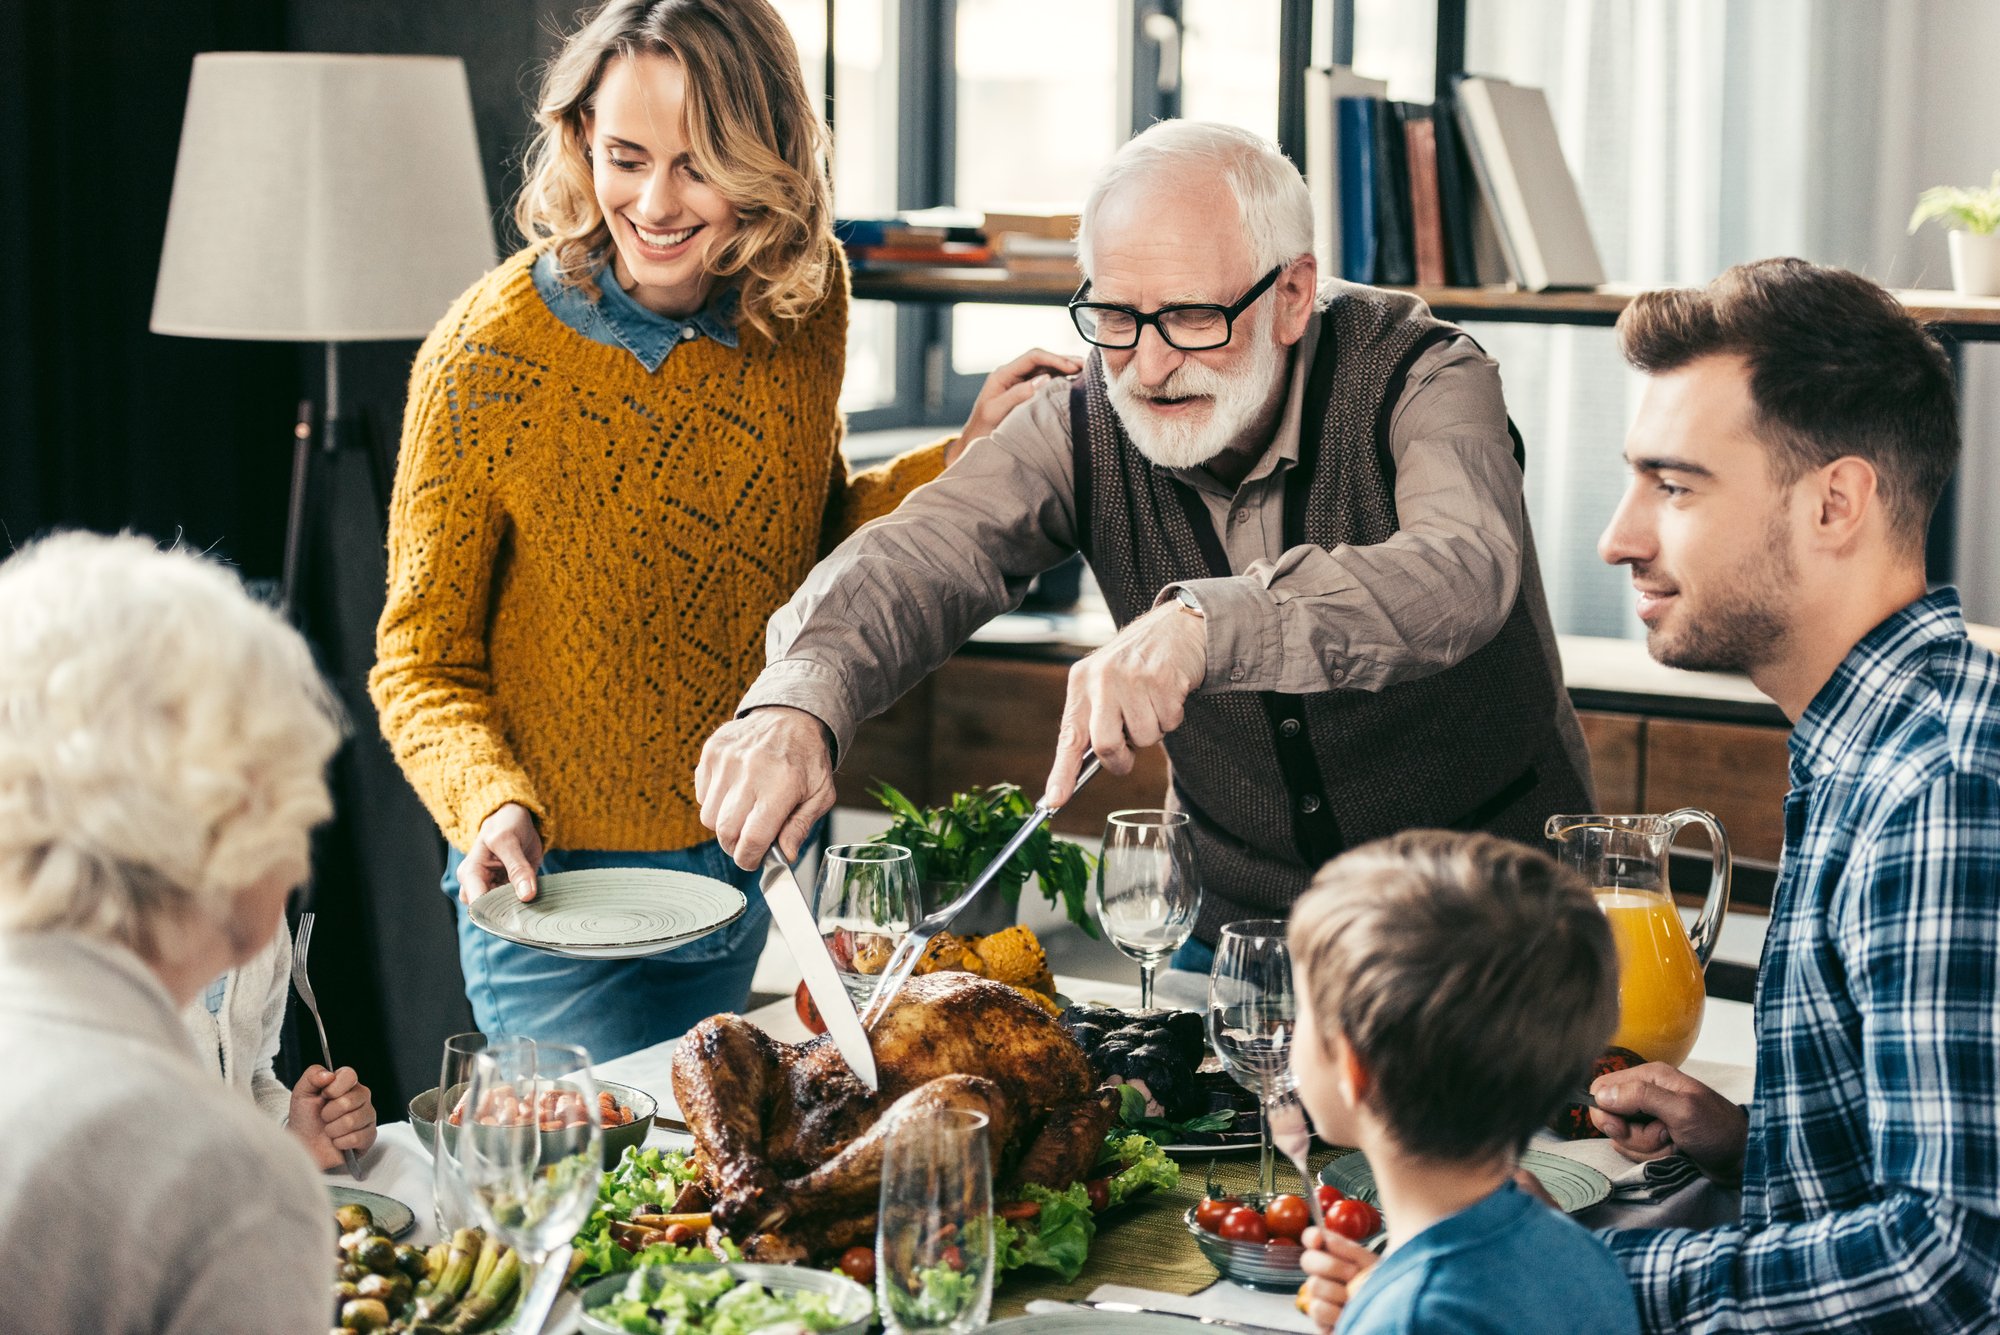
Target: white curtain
[(1709, 132)]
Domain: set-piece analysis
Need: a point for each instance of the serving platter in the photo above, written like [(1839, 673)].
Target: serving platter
[(1573, 1186), (612, 912)]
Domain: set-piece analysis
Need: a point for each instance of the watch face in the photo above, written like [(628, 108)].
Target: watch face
[(1186, 596)]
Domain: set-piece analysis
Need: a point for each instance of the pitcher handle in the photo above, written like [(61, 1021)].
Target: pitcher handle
[(1708, 923)]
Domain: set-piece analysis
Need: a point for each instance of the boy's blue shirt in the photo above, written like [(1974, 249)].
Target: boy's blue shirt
[(1507, 1265)]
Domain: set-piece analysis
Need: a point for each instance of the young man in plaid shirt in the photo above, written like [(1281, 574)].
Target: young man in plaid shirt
[(1796, 432)]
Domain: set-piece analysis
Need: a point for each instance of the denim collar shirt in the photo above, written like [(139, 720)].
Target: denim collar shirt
[(616, 320), (1871, 1179)]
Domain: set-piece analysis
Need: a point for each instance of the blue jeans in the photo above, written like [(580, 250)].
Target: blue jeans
[(612, 1007), (1195, 955)]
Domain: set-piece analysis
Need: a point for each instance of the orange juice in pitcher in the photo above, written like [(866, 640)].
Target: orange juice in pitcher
[(1660, 993)]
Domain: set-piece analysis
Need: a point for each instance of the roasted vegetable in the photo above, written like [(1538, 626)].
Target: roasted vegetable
[(465, 1245), (349, 1218), (364, 1314), (487, 1298)]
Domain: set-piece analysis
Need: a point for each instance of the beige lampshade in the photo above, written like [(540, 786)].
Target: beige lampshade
[(322, 198)]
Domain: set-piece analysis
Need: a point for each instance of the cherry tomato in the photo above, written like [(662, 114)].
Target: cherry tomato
[(1244, 1224), (802, 1002), (1285, 1249), (859, 1264), (1287, 1216), (1099, 1191), (952, 1257), (1354, 1219), (1329, 1196), (1212, 1211)]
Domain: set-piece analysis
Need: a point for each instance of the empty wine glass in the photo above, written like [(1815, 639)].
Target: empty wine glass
[(867, 900), (1251, 1009), (1147, 890), (934, 1233), (530, 1149)]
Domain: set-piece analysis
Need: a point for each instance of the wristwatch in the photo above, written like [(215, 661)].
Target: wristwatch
[(1185, 597)]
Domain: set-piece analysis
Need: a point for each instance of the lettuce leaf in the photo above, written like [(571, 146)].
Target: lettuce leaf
[(642, 1177), (1057, 1239), (1141, 1165)]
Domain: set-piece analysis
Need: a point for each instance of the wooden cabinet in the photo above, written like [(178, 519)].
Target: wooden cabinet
[(1616, 742), (1737, 771)]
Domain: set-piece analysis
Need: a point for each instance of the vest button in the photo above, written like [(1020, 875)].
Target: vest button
[(1309, 803), (1289, 728)]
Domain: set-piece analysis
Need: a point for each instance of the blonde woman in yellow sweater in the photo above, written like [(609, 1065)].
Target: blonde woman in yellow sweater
[(620, 457)]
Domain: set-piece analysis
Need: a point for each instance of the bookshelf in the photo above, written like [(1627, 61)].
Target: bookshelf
[(1965, 319)]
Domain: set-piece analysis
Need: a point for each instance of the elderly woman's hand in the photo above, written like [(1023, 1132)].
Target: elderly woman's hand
[(332, 1111), (508, 848)]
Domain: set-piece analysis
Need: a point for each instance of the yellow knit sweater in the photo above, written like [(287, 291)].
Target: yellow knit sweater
[(582, 557)]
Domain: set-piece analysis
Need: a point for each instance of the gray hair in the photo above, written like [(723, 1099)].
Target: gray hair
[(1270, 194), (163, 743)]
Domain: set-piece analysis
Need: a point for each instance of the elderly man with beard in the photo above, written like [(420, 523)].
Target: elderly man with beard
[(1303, 504)]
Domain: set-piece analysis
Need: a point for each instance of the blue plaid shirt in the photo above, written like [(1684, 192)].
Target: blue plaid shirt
[(1871, 1182)]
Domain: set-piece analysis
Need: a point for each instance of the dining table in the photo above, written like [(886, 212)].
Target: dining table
[(399, 1164)]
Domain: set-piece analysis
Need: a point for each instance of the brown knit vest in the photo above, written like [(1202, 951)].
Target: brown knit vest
[(1277, 784)]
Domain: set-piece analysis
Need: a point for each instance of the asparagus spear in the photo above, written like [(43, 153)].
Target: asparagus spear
[(489, 1256), (465, 1244), (487, 1298)]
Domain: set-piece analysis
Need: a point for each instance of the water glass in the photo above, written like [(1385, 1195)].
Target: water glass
[(1147, 890), (530, 1152), (1251, 1011), (866, 902), (451, 1208), (934, 1234)]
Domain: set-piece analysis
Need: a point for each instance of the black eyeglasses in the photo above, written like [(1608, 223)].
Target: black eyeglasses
[(1194, 327)]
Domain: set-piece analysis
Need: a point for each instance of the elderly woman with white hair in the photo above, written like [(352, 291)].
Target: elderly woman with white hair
[(162, 746)]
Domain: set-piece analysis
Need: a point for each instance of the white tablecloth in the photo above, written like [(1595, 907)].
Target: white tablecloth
[(1723, 1058)]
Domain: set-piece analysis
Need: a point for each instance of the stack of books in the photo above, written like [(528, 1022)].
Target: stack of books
[(1469, 191), (1024, 242)]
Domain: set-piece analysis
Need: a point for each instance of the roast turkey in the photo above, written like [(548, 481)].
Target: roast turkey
[(791, 1142)]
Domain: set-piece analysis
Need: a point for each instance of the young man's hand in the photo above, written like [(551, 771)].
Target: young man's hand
[(332, 1111), (1686, 1116), (1335, 1267)]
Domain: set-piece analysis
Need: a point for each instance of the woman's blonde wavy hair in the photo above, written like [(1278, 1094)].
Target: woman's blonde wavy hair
[(752, 130)]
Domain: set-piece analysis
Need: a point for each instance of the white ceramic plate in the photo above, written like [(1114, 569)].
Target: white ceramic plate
[(612, 912), (1574, 1186)]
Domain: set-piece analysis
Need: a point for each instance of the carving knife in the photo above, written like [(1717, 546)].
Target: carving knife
[(793, 915)]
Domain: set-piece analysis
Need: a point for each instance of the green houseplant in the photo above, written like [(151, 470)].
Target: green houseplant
[(1972, 218), (953, 843)]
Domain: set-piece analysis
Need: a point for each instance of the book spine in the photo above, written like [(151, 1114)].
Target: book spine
[(1356, 117), (1426, 214), (1488, 157), (1395, 262)]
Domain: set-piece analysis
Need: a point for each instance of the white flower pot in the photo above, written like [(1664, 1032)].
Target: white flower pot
[(1975, 264)]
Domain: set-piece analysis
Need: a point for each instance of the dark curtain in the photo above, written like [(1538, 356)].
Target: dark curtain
[(106, 426)]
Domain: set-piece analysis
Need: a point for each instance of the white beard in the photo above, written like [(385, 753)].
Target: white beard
[(1236, 400)]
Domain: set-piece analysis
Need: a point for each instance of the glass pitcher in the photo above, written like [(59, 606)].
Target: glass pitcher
[(1660, 964)]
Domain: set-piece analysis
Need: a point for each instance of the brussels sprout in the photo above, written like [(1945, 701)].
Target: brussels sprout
[(378, 1254), (350, 1217), (393, 1289), (364, 1314), (412, 1261)]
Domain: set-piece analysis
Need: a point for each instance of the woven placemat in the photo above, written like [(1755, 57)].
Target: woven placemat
[(1146, 1244)]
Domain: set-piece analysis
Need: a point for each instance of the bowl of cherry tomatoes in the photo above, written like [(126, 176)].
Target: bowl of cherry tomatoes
[(1254, 1239), (625, 1113)]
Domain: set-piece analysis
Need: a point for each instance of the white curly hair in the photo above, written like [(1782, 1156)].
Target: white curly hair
[(1270, 194), (163, 743)]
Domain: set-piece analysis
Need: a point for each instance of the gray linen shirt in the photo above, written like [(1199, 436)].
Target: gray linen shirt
[(890, 604), (138, 1192)]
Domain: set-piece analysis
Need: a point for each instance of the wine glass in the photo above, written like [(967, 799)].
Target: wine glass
[(451, 1209), (934, 1232), (530, 1149), (1147, 890), (1251, 1009), (867, 900)]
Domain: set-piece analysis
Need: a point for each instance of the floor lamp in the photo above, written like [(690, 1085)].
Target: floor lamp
[(322, 199)]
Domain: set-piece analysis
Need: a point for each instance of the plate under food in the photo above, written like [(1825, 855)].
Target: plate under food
[(1573, 1186), (391, 1216), (612, 912), (1082, 1320)]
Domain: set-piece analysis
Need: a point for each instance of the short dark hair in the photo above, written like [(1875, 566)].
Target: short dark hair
[(1474, 977), (1837, 367)]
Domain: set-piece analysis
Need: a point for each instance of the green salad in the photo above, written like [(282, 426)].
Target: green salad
[(674, 1300), (642, 1177), (1056, 1234)]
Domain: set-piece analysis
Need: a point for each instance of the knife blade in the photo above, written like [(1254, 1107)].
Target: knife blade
[(793, 915), (1134, 1309)]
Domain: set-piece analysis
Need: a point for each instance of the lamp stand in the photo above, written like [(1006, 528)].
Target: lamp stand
[(333, 433)]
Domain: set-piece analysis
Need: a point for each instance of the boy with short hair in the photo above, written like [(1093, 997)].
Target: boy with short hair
[(1453, 988)]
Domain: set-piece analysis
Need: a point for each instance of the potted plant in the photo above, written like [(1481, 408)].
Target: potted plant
[(1973, 217), (952, 844)]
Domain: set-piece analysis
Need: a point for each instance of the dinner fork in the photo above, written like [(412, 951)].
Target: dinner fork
[(300, 945), (1291, 1134), (904, 960)]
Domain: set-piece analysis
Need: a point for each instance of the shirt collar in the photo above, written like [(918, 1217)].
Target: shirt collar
[(645, 333), (1848, 707), (1283, 450)]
